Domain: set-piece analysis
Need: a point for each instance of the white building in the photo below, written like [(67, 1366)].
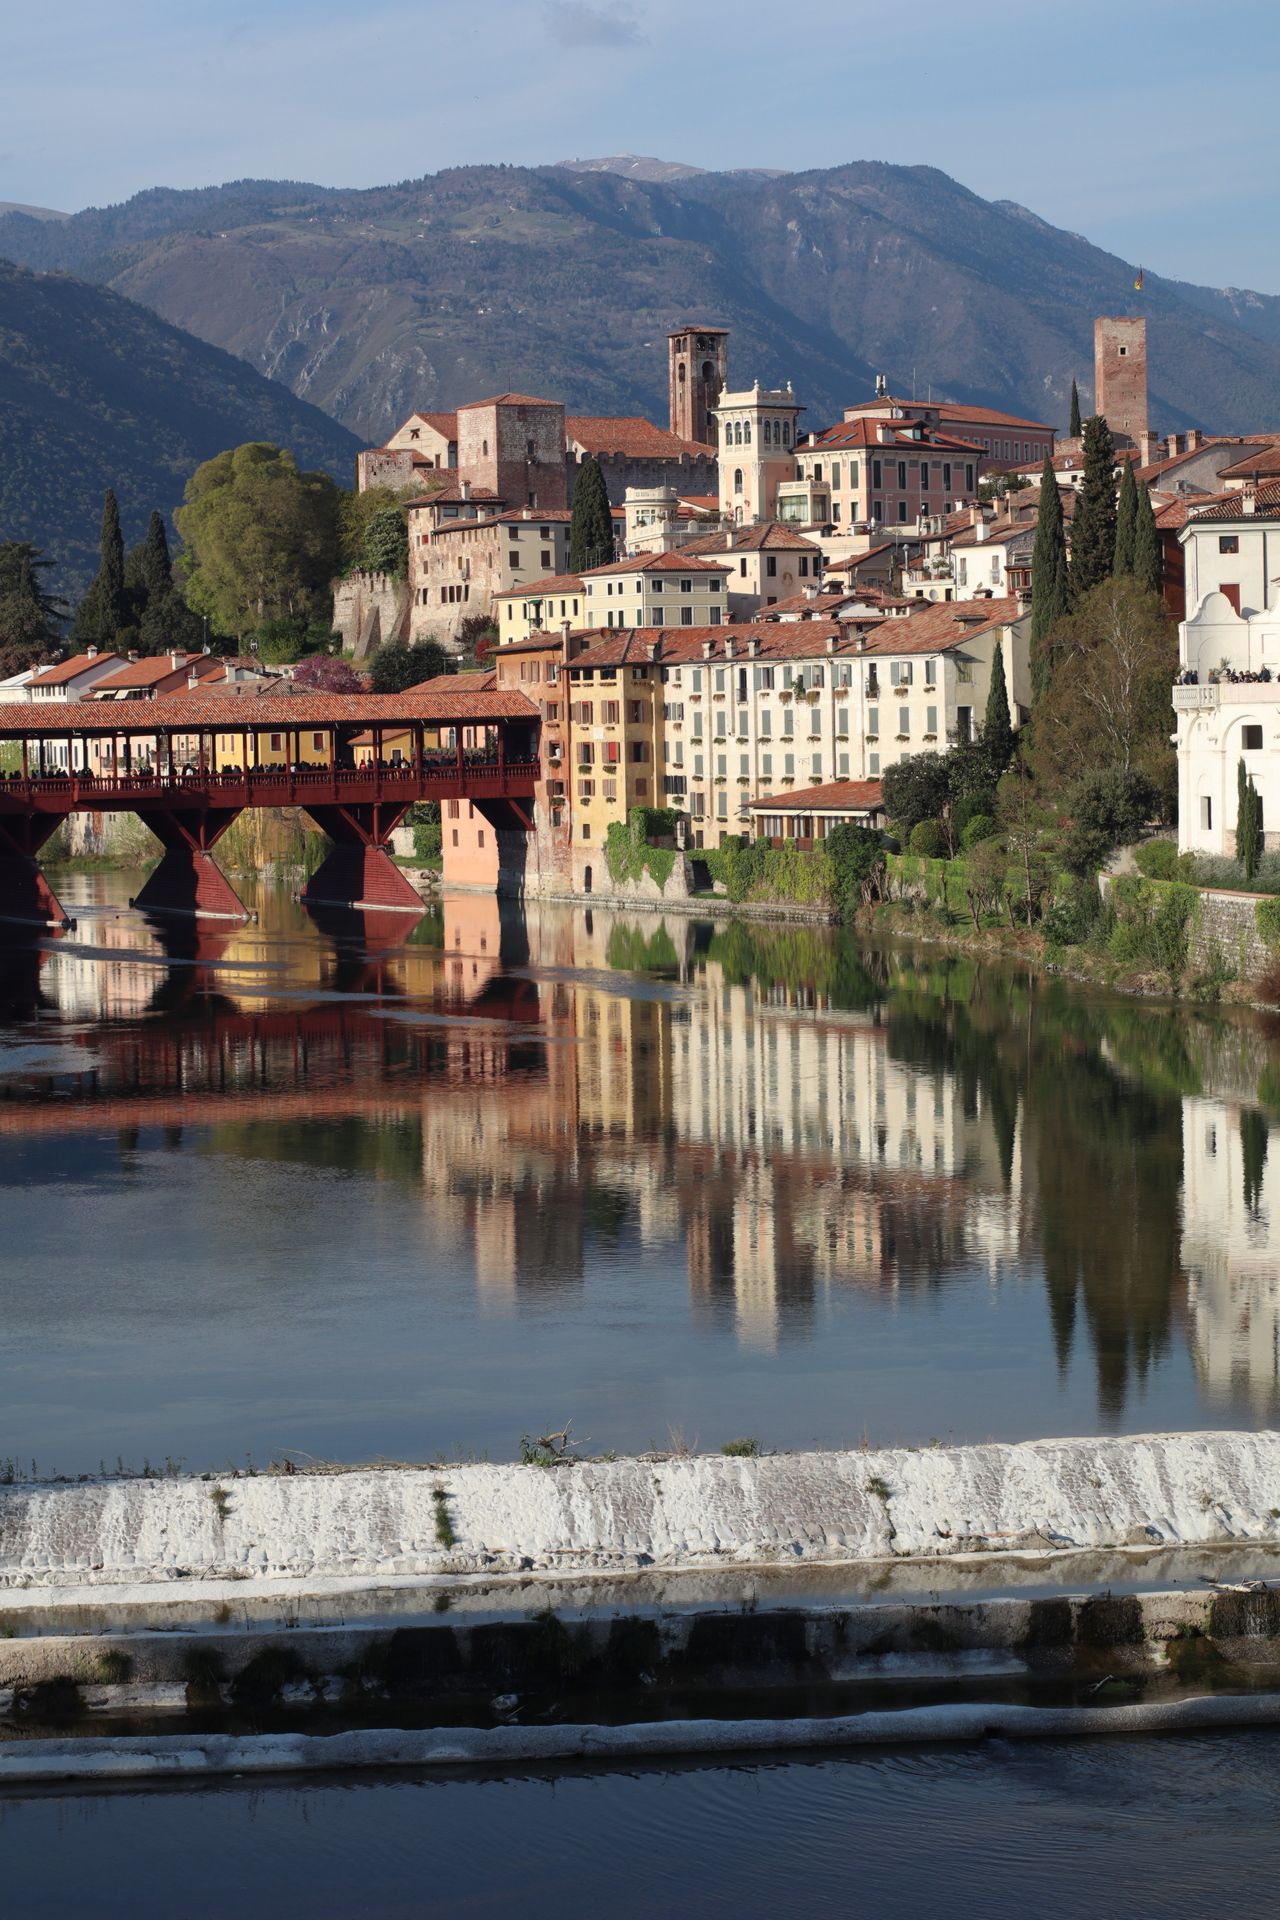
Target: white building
[(656, 590), (757, 434), (1228, 700)]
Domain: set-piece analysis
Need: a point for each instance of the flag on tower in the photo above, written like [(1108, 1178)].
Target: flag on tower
[(1137, 285)]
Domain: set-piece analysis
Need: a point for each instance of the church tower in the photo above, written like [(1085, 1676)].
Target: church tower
[(1120, 376), (698, 367)]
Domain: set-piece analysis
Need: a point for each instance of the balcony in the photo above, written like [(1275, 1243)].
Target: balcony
[(1225, 693)]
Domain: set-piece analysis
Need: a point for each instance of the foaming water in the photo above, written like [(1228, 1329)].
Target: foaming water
[(1152, 1829), (405, 1191)]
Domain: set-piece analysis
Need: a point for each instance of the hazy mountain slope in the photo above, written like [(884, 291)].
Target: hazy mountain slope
[(370, 303), (96, 391)]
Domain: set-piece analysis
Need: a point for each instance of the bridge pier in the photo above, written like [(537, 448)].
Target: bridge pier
[(358, 871), (188, 880), (28, 898)]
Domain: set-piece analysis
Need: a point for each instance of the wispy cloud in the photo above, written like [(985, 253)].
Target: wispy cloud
[(576, 23)]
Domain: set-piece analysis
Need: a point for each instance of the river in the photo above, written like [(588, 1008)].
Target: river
[(1151, 1830), (352, 1192)]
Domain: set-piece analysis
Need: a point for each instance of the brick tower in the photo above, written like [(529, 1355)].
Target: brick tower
[(698, 365), (1120, 376)]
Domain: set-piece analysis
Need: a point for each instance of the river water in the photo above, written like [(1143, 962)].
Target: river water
[(1151, 1830), (350, 1193)]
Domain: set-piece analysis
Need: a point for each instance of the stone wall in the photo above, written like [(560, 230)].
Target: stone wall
[(369, 610), (1227, 924)]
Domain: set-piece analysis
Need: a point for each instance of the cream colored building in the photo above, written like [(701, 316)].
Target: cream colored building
[(756, 431), (544, 606), (767, 563), (656, 590)]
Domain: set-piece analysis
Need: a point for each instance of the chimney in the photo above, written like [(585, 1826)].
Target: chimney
[(92, 652), (1194, 439), (833, 641), (1175, 446), (464, 489), (810, 592), (1149, 446), (980, 527), (728, 647), (132, 656), (526, 513), (753, 645), (708, 648), (1249, 497), (176, 660), (564, 629), (860, 641), (193, 680)]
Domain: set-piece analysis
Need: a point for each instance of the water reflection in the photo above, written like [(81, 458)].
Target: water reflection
[(554, 1114)]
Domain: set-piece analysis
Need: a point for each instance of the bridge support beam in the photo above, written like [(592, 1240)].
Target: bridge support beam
[(25, 894), (359, 871), (188, 880)]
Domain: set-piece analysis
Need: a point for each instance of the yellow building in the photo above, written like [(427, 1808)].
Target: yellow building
[(615, 722), (542, 607)]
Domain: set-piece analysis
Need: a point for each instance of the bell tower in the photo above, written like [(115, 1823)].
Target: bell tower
[(698, 368)]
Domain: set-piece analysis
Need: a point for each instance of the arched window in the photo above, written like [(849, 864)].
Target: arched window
[(746, 433), (708, 372), (681, 373), (737, 479), (737, 433), (786, 433)]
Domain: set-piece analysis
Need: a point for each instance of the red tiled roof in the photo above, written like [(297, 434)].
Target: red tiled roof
[(837, 796), (71, 669), (816, 604), (632, 436), (866, 433), (272, 709), (474, 680), (517, 517), (452, 491), (148, 672), (930, 627), (536, 589), (445, 424), (1230, 506), (856, 560), (656, 563), (702, 502), (956, 410), (1262, 463), (770, 535), (507, 400)]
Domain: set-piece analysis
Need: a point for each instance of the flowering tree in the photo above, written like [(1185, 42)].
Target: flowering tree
[(321, 673)]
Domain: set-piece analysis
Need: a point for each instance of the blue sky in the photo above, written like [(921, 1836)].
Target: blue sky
[(1146, 126)]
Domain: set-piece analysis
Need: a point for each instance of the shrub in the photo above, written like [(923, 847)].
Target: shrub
[(428, 841), (1267, 915), (979, 827), (1114, 804), (1075, 912), (928, 838), (1160, 860)]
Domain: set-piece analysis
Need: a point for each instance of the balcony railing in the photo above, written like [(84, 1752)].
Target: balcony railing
[(1225, 693)]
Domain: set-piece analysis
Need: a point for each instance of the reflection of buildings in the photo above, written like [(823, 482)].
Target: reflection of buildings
[(1230, 1191), (560, 1086)]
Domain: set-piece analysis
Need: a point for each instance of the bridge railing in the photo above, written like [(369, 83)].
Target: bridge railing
[(440, 775)]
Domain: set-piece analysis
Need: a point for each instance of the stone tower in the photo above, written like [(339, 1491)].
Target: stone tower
[(698, 367), (1120, 376)]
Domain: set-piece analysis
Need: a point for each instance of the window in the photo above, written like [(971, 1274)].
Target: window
[(1228, 543), (766, 723), (737, 479), (766, 766), (875, 473), (931, 720), (964, 723), (686, 586), (900, 673), (835, 473), (788, 766), (873, 764), (902, 510), (931, 673), (713, 614), (610, 712), (1251, 739), (639, 753), (1206, 813), (686, 616), (873, 722), (904, 720), (317, 743), (277, 742), (544, 558), (902, 473), (635, 712), (771, 565)]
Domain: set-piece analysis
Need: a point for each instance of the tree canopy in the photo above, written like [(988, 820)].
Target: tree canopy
[(591, 523), (1148, 559), (997, 727), (398, 666), (260, 538), (104, 612), (29, 614), (1074, 430), (1049, 590), (1093, 528), (1126, 523), (1106, 704)]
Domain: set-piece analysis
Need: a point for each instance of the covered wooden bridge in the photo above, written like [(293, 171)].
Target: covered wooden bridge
[(189, 763)]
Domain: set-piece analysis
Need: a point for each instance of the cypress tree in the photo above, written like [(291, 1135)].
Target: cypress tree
[(157, 567), (1148, 560), (997, 728), (1126, 522), (1248, 824), (1093, 531), (591, 524), (1074, 430), (105, 607), (1049, 600)]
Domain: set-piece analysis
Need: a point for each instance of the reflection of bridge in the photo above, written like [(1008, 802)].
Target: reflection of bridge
[(189, 764)]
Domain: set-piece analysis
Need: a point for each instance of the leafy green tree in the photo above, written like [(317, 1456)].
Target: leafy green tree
[(1148, 559), (591, 524), (1126, 523), (857, 865), (1074, 430), (260, 538), (1248, 824), (997, 727), (1107, 703), (386, 543), (398, 666), (916, 789), (104, 611), (29, 615), (1049, 588), (1093, 530)]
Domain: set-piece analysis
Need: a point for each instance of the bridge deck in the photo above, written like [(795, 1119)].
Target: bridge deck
[(444, 777)]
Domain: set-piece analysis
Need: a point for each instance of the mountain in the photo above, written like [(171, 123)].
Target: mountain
[(633, 166), (35, 213), (96, 391), (370, 303)]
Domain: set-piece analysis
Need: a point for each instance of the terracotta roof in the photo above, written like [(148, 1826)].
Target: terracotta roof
[(1263, 463), (632, 436), (701, 502), (630, 646), (507, 400), (998, 533), (935, 626), (148, 672), (815, 605), (1230, 506), (538, 589), (445, 424), (475, 680), (518, 516), (865, 434), (956, 410), (451, 491), (770, 535), (272, 709), (71, 669), (855, 796), (656, 563), (541, 640)]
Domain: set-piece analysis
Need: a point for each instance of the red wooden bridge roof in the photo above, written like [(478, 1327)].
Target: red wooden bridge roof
[(260, 713)]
